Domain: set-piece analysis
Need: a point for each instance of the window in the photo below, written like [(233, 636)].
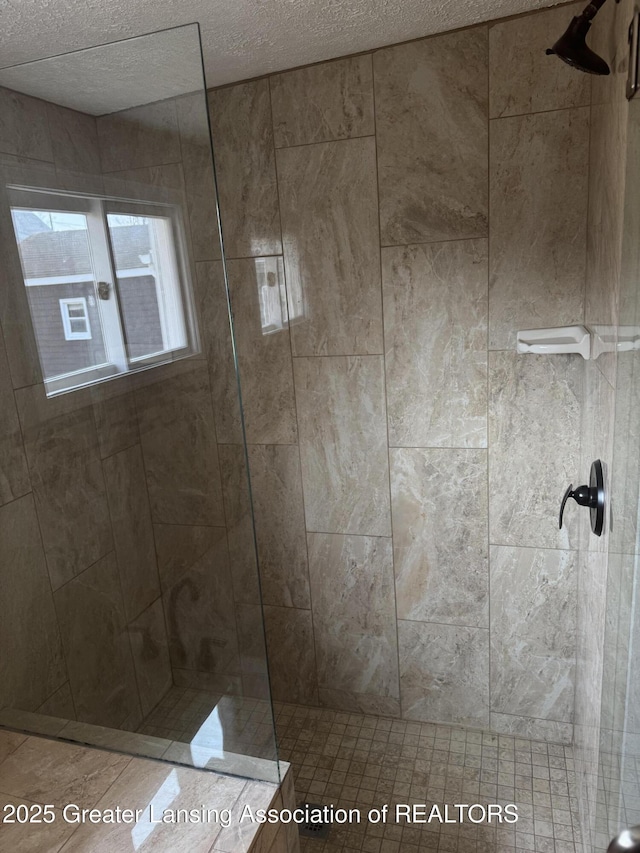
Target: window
[(115, 271), (75, 319)]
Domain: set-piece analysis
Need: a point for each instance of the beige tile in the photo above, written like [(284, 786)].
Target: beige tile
[(253, 653), (550, 731), (538, 162), (62, 450), (178, 547), (444, 673), (14, 473), (74, 138), (96, 645), (130, 743), (264, 352), (343, 444), (320, 103), (522, 79), (328, 202), (278, 507), (534, 448), (142, 136), (436, 90), (240, 523), (292, 663), (162, 183), (114, 411), (440, 529), (435, 326), (46, 771), (200, 617), (35, 837), (217, 346), (9, 742), (197, 165), (179, 447), (240, 835), (354, 613), (359, 703), (245, 169), (533, 632), (59, 704), (24, 129), (132, 530), (150, 650)]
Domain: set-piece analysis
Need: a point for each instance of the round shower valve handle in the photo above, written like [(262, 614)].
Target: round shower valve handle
[(591, 495)]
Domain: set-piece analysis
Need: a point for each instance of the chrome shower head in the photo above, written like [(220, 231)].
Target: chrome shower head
[(572, 47)]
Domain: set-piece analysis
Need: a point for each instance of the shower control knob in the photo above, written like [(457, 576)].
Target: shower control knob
[(591, 495)]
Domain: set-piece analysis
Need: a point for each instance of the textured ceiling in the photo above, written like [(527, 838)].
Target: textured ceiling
[(241, 38)]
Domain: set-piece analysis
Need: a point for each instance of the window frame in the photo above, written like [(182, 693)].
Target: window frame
[(96, 209), (69, 335)]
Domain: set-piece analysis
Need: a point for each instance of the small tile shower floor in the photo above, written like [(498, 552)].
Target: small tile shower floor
[(357, 761)]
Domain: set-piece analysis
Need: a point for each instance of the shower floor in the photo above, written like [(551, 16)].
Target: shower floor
[(357, 761)]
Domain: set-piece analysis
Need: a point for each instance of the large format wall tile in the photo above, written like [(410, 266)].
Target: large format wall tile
[(142, 136), (435, 329), (330, 227), (439, 511), (24, 129), (150, 650), (354, 614), (264, 351), (245, 168), (132, 530), (32, 664), (533, 632), (14, 474), (444, 673), (292, 663), (74, 137), (432, 134), (62, 451), (114, 411), (97, 650), (534, 448), (343, 444), (538, 167), (320, 103), (278, 506), (522, 78), (179, 448)]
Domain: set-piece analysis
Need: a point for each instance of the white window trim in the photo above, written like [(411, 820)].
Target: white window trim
[(69, 334)]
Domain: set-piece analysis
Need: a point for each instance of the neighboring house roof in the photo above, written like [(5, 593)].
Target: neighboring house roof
[(60, 253)]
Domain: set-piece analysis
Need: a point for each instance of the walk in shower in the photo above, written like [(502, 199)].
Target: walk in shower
[(286, 489)]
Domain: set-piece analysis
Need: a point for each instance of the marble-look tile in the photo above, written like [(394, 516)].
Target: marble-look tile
[(179, 447), (46, 771), (163, 183), (59, 704), (40, 838), (24, 129), (278, 507), (444, 673), (320, 103), (217, 346), (440, 526), (522, 79), (74, 138), (292, 662), (534, 448), (114, 411), (538, 238), (354, 613), (245, 168), (132, 530), (197, 166), (240, 523), (549, 731), (432, 137), (533, 632), (343, 444), (253, 652), (14, 473), (9, 742), (435, 329), (131, 743), (96, 645), (329, 201), (359, 703), (200, 616), (241, 834), (142, 136), (178, 547), (150, 650), (261, 334), (66, 473)]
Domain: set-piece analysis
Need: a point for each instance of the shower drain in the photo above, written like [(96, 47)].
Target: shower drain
[(313, 829)]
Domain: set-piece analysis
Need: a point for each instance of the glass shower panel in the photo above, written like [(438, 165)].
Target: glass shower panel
[(128, 572)]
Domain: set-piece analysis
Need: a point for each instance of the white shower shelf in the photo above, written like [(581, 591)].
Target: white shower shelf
[(590, 343)]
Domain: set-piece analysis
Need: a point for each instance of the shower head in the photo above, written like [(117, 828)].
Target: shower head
[(572, 48)]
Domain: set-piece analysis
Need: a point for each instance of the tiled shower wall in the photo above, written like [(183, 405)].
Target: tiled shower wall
[(390, 221)]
